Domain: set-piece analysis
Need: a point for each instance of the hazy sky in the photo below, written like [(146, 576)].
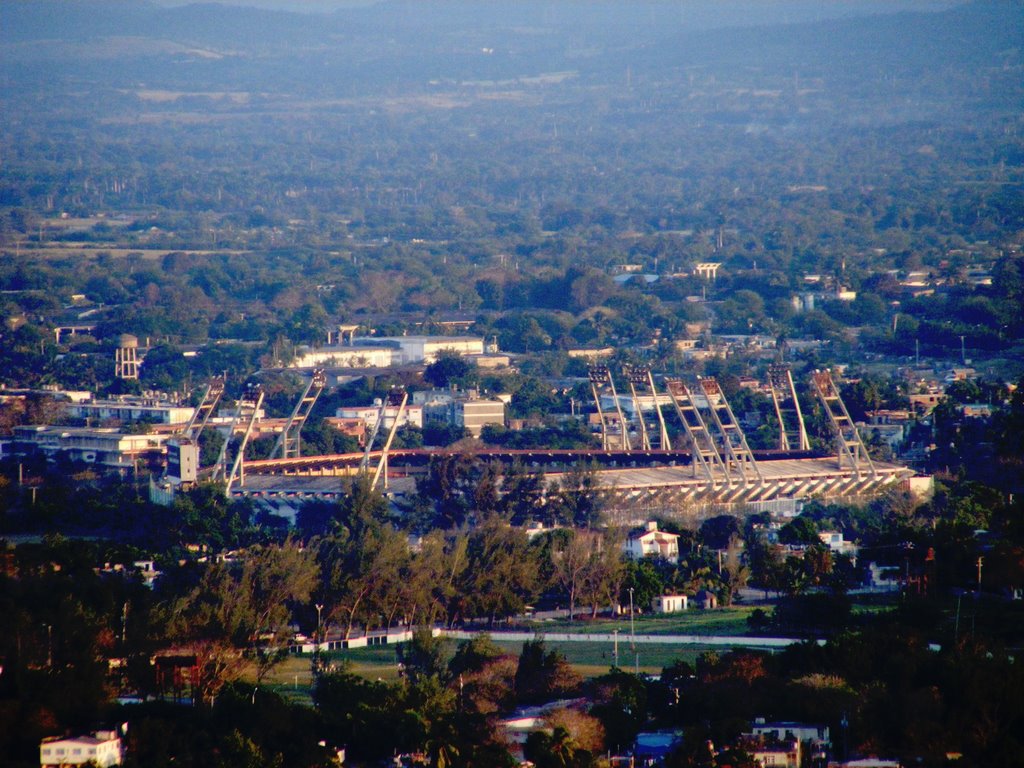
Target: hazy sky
[(287, 5), (826, 7)]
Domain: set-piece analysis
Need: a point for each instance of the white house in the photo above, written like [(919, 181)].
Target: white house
[(103, 748), (837, 544), (669, 603), (653, 543), (806, 733)]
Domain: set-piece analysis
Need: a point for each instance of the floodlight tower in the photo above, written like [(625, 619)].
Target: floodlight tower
[(253, 397), (289, 442), (600, 379), (734, 443), (397, 398), (792, 431), (201, 415), (636, 375), (702, 444), (851, 449)]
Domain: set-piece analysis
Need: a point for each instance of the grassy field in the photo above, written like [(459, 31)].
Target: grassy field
[(292, 679), (724, 621), (93, 251)]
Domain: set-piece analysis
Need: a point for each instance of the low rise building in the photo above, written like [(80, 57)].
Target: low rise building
[(924, 403), (411, 415), (669, 603), (426, 349), (810, 734), (772, 753), (101, 748), (461, 408), (474, 415), (131, 409), (106, 447), (653, 543), (387, 351), (363, 356), (837, 544)]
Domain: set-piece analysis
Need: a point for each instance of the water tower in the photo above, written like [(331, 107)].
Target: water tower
[(126, 357)]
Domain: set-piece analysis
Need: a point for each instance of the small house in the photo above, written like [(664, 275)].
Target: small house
[(669, 603), (653, 543)]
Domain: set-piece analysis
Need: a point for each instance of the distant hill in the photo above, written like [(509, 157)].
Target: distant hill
[(401, 44)]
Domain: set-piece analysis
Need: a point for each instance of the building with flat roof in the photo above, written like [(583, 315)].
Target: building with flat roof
[(475, 414), (363, 356), (105, 447), (131, 409), (412, 415), (461, 408), (387, 351), (426, 349)]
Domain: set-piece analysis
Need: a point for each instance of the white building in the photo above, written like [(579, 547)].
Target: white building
[(131, 410), (103, 446), (653, 543), (475, 414), (807, 733), (426, 349), (346, 357), (459, 408), (385, 351), (102, 748), (837, 544), (628, 406), (368, 414), (669, 603)]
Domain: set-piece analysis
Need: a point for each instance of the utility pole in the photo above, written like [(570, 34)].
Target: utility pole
[(632, 627), (981, 561), (319, 638)]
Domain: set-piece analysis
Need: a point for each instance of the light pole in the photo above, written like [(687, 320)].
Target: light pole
[(632, 626), (319, 638)]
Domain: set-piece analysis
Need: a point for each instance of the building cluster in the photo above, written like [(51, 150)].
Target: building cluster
[(771, 744), (462, 409)]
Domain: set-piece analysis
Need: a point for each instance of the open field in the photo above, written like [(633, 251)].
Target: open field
[(292, 679), (93, 251), (722, 621)]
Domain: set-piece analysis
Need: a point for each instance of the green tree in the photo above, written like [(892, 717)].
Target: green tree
[(240, 612), (451, 369), (543, 675)]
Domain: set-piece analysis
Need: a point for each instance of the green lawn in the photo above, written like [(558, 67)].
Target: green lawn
[(293, 677), (723, 621)]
